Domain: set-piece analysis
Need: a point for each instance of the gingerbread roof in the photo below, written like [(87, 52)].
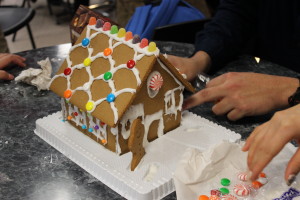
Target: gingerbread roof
[(105, 69)]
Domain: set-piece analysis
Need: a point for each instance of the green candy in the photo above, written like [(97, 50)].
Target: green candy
[(224, 191), (107, 76), (114, 29), (225, 181)]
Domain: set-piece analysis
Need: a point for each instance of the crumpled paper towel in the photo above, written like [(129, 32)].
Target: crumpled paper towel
[(37, 77), (198, 172)]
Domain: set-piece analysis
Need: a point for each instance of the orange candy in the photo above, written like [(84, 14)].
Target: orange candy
[(256, 184), (92, 21), (203, 197), (263, 175), (128, 36), (107, 51), (67, 94), (69, 117), (103, 141)]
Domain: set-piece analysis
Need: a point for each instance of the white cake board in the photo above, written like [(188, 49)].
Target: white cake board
[(152, 179)]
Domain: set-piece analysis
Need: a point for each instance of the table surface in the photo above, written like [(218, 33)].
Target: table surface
[(32, 169)]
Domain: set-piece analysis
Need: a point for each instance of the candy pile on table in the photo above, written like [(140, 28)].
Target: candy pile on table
[(242, 189)]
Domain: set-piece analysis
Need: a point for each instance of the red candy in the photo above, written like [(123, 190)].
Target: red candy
[(75, 113), (215, 192), (256, 184), (106, 26), (67, 71), (144, 43), (130, 64)]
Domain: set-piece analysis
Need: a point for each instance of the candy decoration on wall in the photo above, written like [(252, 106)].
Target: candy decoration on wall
[(121, 32), (87, 62), (107, 52), (92, 21), (110, 98), (89, 106), (156, 82), (106, 26), (107, 76), (114, 29), (99, 23), (130, 64), (128, 36), (67, 71), (136, 39), (144, 43), (241, 189), (67, 94), (85, 42)]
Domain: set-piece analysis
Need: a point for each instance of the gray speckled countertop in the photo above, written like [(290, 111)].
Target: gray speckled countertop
[(31, 169)]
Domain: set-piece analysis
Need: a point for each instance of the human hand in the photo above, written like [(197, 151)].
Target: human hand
[(191, 66), (267, 140), (240, 94), (5, 60)]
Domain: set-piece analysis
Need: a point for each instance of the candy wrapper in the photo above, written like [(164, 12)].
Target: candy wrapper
[(37, 77), (201, 173)]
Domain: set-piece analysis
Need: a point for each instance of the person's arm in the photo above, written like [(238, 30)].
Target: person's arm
[(267, 140), (228, 32)]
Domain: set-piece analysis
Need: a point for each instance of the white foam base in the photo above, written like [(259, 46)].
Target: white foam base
[(152, 179)]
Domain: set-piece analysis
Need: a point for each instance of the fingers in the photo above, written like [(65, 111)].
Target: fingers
[(205, 95), (5, 76), (292, 168), (7, 59)]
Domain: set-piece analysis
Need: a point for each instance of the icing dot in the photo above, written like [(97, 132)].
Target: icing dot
[(67, 71), (203, 197), (85, 42), (110, 98), (106, 26), (152, 47), (130, 64), (107, 76), (89, 106), (128, 36), (75, 113), (87, 62), (69, 117), (114, 29), (225, 182), (121, 32), (83, 126), (136, 39), (99, 23), (92, 21), (96, 127), (67, 94), (224, 191), (90, 130), (144, 43), (104, 141)]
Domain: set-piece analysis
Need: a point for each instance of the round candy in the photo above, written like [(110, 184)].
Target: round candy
[(102, 123), (263, 175), (110, 98), (85, 42), (241, 190), (156, 82), (90, 130), (229, 197), (96, 127), (203, 197), (67, 94), (107, 51), (83, 126), (243, 176), (104, 141), (69, 117), (89, 106), (75, 113), (215, 192), (224, 191), (225, 181), (107, 76), (67, 71), (130, 64), (87, 62), (214, 197), (256, 184)]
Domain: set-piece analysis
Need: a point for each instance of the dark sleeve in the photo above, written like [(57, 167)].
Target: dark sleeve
[(223, 38)]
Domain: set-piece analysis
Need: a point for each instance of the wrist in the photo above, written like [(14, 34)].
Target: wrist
[(202, 61), (294, 98)]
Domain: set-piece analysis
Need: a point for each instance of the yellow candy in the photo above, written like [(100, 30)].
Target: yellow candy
[(152, 46), (89, 106), (121, 32), (87, 62)]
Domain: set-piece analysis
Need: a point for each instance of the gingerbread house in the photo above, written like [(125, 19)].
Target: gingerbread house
[(119, 90)]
